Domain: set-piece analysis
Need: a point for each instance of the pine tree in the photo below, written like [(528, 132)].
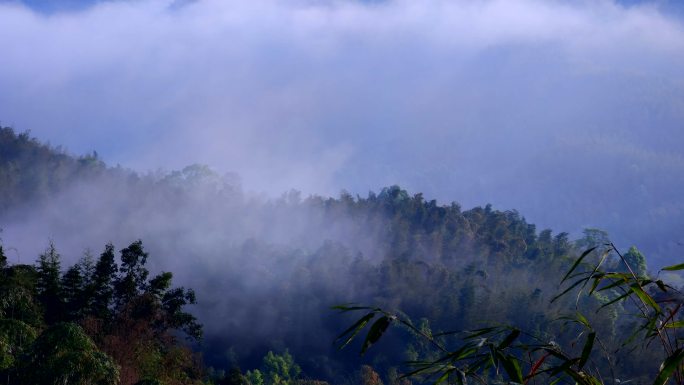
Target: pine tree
[(49, 286), (73, 293), (101, 286), (3, 258)]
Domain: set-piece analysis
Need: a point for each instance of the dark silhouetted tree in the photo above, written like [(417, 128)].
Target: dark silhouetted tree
[(49, 285), (132, 279), (102, 282), (73, 290)]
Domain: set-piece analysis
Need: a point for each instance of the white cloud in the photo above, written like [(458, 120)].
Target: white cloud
[(460, 99)]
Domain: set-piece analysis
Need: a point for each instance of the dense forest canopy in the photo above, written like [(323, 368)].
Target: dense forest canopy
[(265, 271), (462, 191)]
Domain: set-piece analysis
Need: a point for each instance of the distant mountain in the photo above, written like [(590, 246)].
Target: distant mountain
[(31, 170), (266, 271)]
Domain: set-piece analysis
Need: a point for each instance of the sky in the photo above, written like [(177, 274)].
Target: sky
[(571, 112)]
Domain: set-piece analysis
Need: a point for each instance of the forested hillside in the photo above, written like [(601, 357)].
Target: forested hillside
[(266, 271), (99, 322), (31, 171)]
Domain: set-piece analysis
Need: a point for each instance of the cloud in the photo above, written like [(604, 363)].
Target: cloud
[(475, 100), (571, 112)]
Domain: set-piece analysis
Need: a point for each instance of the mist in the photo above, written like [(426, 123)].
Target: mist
[(248, 257), (570, 112)]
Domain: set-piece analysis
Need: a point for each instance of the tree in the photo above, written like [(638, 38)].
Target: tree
[(279, 369), (20, 317), (254, 377), (134, 341), (3, 258), (64, 354), (636, 261), (561, 245), (369, 376), (508, 354), (593, 237), (74, 293), (101, 287), (234, 377), (133, 274), (169, 304), (173, 302), (49, 285)]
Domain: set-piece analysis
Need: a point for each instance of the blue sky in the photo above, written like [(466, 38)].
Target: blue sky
[(673, 7), (571, 112)]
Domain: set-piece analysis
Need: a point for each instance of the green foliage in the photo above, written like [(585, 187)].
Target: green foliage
[(16, 337), (636, 261), (132, 341), (235, 377), (49, 284), (254, 377), (73, 291), (64, 354), (132, 280), (31, 171), (593, 237), (279, 369), (506, 353), (20, 317), (101, 284), (461, 269), (173, 302), (276, 369)]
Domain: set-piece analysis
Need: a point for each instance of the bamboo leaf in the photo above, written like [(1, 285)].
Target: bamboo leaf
[(598, 276), (478, 332), (661, 285), (586, 351), (354, 329), (515, 333), (614, 284), (443, 377), (597, 280), (376, 331), (668, 367), (582, 378), (568, 289), (583, 320), (577, 262), (417, 371), (346, 308), (674, 325), (645, 297), (623, 276), (674, 267), (612, 301), (512, 367)]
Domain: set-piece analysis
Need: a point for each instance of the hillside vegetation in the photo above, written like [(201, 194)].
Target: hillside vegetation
[(267, 271)]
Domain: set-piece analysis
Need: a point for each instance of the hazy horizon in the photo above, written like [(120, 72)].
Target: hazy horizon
[(571, 112)]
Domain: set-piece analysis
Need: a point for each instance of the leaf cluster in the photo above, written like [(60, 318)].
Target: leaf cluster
[(505, 354)]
